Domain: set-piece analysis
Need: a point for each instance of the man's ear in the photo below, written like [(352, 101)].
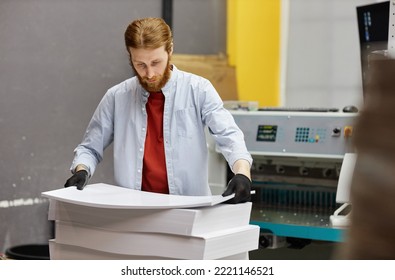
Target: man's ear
[(171, 49)]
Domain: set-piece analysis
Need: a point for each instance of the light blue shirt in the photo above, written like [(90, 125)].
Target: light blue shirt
[(191, 104)]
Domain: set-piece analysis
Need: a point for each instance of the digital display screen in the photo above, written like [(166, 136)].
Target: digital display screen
[(266, 133), (373, 23)]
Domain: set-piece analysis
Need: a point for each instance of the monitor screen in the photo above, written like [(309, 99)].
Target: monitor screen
[(373, 20)]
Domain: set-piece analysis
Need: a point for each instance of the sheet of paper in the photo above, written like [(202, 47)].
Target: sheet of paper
[(109, 196)]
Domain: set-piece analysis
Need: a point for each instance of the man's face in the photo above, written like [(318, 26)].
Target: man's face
[(152, 67)]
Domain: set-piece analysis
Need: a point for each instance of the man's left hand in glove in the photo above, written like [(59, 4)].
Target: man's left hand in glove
[(240, 185)]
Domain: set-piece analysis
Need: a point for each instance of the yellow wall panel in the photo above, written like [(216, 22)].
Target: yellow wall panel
[(253, 47)]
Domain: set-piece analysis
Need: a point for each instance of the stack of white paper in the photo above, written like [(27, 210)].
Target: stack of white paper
[(110, 222)]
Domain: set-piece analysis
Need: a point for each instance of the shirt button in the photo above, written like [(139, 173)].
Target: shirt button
[(141, 149), (139, 170)]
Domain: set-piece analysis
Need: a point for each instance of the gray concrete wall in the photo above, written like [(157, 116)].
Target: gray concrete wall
[(323, 57)]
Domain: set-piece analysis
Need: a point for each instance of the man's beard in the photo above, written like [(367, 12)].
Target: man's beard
[(159, 81)]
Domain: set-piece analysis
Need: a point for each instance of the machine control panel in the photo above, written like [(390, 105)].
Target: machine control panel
[(296, 133)]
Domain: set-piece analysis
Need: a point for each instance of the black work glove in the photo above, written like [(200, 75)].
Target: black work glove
[(79, 179), (241, 186)]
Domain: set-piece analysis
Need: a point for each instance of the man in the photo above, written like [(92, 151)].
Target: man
[(156, 121)]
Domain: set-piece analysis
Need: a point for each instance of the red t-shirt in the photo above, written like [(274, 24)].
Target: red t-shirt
[(154, 162)]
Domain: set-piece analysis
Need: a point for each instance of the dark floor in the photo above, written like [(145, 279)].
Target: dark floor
[(314, 251)]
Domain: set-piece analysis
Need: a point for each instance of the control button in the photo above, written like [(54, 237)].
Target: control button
[(336, 132), (348, 131)]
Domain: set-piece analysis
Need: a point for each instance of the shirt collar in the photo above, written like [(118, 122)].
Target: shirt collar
[(172, 79)]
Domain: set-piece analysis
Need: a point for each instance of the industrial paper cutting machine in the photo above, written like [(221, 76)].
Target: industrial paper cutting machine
[(297, 161)]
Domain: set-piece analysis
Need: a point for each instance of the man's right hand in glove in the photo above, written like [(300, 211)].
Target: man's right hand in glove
[(79, 179)]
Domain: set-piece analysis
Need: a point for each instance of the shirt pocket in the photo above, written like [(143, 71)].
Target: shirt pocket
[(187, 124)]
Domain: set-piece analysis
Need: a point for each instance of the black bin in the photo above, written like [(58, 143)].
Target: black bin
[(28, 252)]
